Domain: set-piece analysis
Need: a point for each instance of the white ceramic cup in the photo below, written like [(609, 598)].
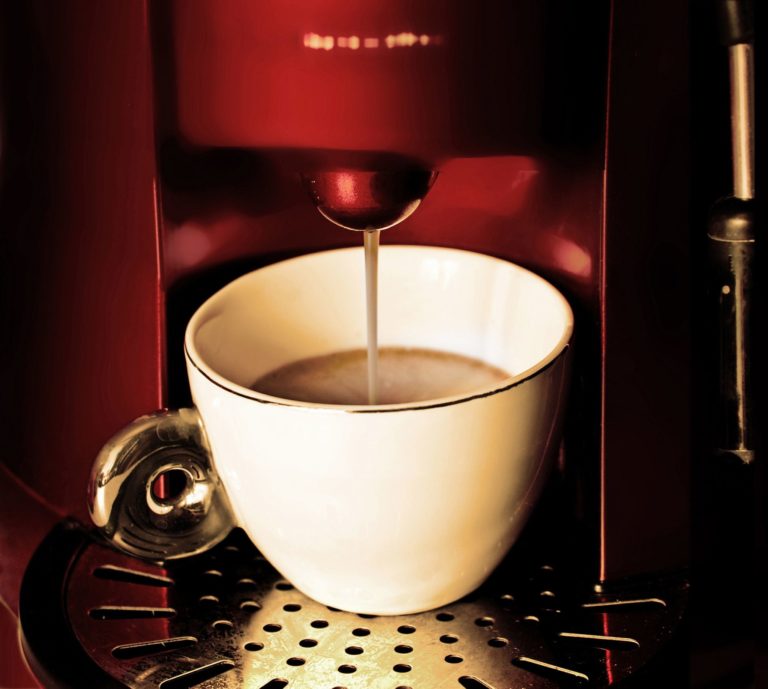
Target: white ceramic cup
[(382, 509)]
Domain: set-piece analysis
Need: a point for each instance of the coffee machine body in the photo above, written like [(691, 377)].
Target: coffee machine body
[(151, 151)]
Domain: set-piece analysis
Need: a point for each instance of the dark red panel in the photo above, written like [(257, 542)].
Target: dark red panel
[(519, 208), (13, 670), (646, 266), (25, 519), (388, 75), (81, 302)]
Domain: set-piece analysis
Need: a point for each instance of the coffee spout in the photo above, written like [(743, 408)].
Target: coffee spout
[(367, 199)]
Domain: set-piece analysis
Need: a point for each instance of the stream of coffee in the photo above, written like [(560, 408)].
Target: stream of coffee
[(372, 197), (371, 245)]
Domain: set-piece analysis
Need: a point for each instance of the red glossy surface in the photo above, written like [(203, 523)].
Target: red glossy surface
[(13, 670), (645, 294), (80, 303), (253, 74), (544, 216), (24, 521)]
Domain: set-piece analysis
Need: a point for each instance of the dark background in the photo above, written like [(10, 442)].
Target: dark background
[(728, 602)]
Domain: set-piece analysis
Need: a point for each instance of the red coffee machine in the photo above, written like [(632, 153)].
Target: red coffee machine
[(152, 152)]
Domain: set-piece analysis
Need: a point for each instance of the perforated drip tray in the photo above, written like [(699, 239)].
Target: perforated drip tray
[(92, 617)]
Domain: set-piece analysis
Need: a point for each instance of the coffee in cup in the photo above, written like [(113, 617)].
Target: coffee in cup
[(405, 374)]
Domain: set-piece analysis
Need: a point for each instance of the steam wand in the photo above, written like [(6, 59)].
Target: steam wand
[(731, 232)]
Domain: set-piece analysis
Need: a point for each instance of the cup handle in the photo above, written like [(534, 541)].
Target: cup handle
[(122, 493)]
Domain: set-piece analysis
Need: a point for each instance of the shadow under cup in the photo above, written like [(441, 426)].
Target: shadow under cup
[(386, 509)]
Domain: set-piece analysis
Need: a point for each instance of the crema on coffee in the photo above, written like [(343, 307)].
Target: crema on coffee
[(404, 375)]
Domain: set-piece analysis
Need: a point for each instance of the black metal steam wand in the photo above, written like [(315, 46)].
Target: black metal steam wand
[(731, 232)]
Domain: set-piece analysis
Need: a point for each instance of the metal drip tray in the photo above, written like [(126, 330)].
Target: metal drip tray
[(226, 620)]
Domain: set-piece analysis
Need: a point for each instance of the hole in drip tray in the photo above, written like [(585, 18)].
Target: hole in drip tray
[(601, 640), (444, 617), (222, 625), (498, 642), (403, 648), (347, 669), (473, 683), (449, 638), (548, 670), (145, 648), (208, 599), (253, 646), (276, 684), (131, 576), (284, 586), (361, 631), (197, 676), (271, 628), (127, 612), (402, 667), (251, 605), (353, 650), (308, 643), (318, 624), (291, 607), (484, 621), (295, 662), (406, 629), (630, 604), (454, 659)]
